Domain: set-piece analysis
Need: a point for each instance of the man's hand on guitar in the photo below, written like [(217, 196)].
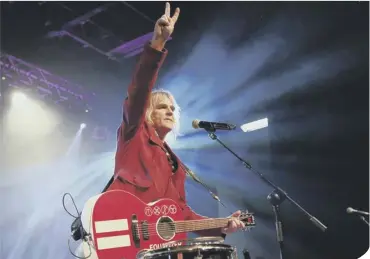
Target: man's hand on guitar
[(234, 223), (164, 27)]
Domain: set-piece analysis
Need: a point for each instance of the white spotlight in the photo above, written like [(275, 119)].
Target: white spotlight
[(255, 125), (18, 98), (82, 126)]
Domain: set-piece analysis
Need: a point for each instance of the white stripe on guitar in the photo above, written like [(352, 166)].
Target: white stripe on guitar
[(113, 242), (111, 225)]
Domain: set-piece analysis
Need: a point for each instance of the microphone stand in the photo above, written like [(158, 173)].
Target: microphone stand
[(364, 220), (276, 197)]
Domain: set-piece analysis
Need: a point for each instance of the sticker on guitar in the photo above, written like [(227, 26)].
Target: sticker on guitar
[(148, 211), (163, 210), (164, 245)]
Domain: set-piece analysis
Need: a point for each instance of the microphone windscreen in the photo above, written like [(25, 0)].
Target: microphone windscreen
[(195, 123), (349, 210)]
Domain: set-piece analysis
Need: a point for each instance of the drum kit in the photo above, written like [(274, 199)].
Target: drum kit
[(197, 248)]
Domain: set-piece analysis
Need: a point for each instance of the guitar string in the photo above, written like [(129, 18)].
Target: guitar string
[(181, 226), (169, 227), (165, 230), (187, 224)]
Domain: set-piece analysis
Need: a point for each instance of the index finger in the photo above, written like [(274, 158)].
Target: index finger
[(167, 10), (176, 15)]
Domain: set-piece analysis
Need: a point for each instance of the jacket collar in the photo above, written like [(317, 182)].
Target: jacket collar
[(153, 136)]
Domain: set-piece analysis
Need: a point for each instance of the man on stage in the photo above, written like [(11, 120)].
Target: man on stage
[(144, 164)]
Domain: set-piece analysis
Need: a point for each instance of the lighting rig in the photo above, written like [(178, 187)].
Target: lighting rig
[(17, 74), (105, 41)]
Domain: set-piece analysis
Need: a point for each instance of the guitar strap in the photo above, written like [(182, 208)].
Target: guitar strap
[(108, 184), (189, 172), (197, 180)]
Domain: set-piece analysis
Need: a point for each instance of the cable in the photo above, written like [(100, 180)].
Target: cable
[(74, 204), (83, 234), (80, 257)]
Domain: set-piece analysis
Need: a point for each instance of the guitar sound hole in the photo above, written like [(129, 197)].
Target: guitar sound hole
[(166, 228)]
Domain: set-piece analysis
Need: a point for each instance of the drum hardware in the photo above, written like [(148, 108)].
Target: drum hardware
[(199, 256), (275, 198), (197, 248)]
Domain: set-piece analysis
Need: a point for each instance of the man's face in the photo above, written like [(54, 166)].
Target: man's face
[(163, 115)]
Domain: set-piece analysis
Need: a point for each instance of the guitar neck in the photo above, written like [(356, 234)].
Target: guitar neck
[(202, 224)]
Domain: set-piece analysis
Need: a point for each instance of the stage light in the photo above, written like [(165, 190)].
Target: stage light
[(18, 98), (83, 125), (29, 118), (3, 77), (255, 125)]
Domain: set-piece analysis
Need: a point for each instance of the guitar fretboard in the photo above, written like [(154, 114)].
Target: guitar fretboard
[(194, 225)]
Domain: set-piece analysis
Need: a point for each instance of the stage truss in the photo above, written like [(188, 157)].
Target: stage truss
[(19, 74), (77, 29)]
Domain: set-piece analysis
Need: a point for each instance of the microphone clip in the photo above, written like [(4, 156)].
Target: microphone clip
[(364, 220), (359, 213)]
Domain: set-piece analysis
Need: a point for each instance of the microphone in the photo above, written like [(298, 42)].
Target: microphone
[(198, 124), (351, 210)]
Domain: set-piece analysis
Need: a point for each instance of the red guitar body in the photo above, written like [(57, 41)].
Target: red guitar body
[(121, 225)]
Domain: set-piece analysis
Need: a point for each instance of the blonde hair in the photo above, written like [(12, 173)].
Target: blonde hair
[(155, 97)]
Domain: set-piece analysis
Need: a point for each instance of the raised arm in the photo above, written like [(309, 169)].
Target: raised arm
[(141, 85), (146, 71)]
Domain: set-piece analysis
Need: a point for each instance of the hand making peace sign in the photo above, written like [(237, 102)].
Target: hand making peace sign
[(164, 26)]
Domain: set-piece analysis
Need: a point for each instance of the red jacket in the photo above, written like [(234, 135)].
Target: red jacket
[(141, 165)]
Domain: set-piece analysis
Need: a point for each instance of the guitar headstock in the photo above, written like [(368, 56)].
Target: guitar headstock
[(248, 219)]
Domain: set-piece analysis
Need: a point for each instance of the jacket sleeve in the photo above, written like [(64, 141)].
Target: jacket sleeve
[(191, 215), (141, 85)]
